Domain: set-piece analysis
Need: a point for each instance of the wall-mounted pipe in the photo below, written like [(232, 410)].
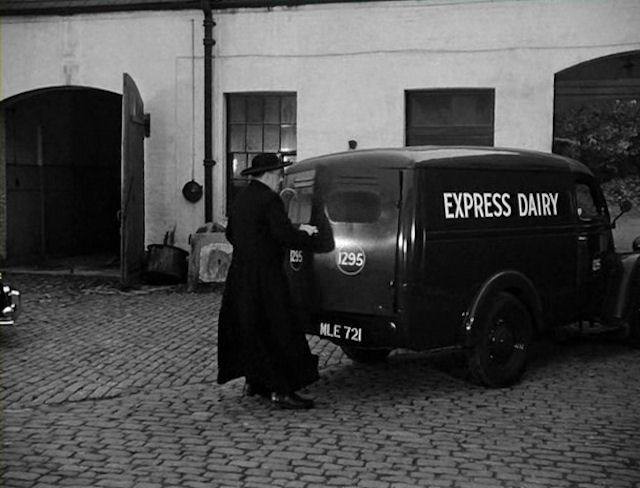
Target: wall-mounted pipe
[(208, 42)]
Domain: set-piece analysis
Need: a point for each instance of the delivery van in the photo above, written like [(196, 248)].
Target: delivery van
[(467, 247)]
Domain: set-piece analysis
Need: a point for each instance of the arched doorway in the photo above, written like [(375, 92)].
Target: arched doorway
[(597, 120), (597, 95), (61, 158), (598, 80)]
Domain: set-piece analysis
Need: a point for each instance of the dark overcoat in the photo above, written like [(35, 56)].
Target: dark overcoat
[(258, 337)]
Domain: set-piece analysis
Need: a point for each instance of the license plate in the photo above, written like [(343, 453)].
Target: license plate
[(335, 330)]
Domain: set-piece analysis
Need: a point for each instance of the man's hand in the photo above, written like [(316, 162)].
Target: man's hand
[(309, 229)]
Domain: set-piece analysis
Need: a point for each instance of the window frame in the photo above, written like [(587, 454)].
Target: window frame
[(257, 118), (484, 134)]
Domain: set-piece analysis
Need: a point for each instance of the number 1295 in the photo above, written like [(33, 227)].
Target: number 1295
[(350, 258)]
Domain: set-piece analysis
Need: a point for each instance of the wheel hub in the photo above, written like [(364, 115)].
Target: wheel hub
[(501, 342)]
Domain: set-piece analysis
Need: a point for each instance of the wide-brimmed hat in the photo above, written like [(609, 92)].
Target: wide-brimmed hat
[(264, 162)]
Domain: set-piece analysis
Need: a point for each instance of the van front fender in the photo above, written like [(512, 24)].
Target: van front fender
[(624, 292), (510, 281)]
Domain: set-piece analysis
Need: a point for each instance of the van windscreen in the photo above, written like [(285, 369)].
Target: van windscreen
[(354, 206)]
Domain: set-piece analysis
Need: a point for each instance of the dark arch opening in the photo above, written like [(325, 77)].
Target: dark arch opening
[(61, 156), (594, 103), (596, 113), (598, 80)]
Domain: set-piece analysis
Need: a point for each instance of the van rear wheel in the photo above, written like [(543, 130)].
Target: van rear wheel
[(502, 339), (364, 355), (633, 337)]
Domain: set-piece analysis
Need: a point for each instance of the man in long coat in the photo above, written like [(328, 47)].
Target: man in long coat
[(258, 337)]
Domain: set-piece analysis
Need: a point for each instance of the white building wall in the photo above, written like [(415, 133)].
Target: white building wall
[(349, 64), (155, 49)]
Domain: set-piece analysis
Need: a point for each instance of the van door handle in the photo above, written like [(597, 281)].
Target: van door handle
[(582, 238)]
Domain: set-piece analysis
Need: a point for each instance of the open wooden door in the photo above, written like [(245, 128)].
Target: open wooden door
[(134, 129)]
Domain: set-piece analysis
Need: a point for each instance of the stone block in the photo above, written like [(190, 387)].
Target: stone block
[(209, 258)]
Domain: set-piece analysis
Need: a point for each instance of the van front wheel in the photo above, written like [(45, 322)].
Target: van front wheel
[(363, 355), (502, 339)]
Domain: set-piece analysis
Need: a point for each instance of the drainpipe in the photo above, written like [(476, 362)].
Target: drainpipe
[(208, 42)]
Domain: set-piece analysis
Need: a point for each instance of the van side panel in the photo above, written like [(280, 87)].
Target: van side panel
[(472, 223)]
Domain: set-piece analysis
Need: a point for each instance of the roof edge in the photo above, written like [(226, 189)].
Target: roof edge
[(15, 9)]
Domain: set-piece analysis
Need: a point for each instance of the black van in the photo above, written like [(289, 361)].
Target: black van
[(434, 247)]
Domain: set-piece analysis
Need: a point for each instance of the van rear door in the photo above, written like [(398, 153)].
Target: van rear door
[(357, 212)]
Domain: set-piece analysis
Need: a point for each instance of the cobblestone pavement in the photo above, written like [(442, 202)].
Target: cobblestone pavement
[(102, 388)]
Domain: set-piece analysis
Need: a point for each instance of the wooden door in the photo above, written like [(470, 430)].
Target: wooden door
[(134, 130)]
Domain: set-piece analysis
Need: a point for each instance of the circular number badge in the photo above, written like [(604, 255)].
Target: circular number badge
[(295, 259), (351, 260)]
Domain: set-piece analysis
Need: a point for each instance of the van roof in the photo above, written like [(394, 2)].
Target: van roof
[(459, 157)]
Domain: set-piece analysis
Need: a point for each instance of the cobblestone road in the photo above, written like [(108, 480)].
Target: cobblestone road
[(102, 388)]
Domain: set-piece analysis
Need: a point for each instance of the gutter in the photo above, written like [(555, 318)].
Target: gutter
[(71, 7), (16, 8)]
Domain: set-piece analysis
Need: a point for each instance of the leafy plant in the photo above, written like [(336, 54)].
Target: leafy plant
[(605, 137)]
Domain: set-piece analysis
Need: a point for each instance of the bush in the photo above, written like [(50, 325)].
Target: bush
[(605, 137), (618, 189)]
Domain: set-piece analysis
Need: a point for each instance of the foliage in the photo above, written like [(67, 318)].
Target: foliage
[(618, 189), (605, 137)]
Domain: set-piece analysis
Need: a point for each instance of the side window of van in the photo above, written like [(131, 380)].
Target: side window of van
[(586, 204), (355, 206)]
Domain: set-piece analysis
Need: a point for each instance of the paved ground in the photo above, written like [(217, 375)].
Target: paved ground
[(102, 388)]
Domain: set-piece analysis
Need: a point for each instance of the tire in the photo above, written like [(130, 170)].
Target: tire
[(501, 344), (363, 355)]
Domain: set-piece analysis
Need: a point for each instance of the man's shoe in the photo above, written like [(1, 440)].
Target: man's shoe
[(251, 390), (291, 401), (299, 398)]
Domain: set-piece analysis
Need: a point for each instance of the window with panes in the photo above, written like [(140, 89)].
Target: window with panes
[(450, 117), (257, 122)]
